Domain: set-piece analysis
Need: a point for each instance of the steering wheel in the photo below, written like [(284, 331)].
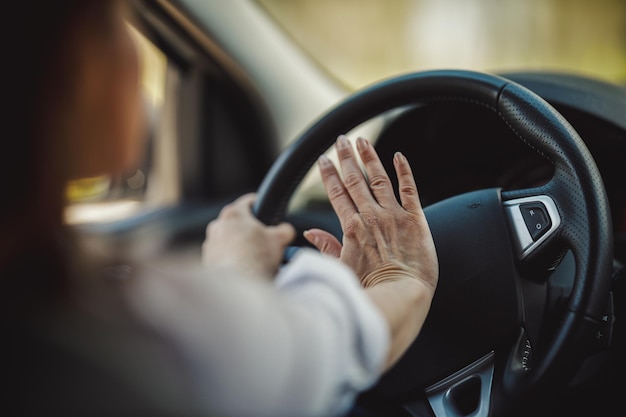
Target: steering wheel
[(499, 339)]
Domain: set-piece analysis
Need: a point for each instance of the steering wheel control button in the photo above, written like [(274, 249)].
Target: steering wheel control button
[(536, 218), (532, 220), (604, 334)]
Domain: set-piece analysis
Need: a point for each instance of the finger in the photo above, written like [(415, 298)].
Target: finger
[(283, 233), (245, 201), (240, 206), (353, 177), (337, 194), (324, 241), (378, 180), (207, 231), (409, 196)]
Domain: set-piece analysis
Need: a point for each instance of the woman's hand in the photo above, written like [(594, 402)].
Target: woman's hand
[(238, 240), (388, 244), (382, 239)]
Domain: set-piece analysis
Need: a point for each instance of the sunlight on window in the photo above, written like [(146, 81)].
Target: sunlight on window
[(362, 41), (86, 189), (153, 65)]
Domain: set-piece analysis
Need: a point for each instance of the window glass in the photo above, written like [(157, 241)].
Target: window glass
[(362, 41), (105, 198)]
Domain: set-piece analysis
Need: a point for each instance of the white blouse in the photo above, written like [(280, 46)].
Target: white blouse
[(304, 345)]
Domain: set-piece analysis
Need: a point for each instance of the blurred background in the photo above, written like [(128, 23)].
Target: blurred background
[(359, 42)]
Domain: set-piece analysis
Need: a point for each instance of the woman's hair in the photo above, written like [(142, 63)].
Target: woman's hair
[(39, 75), (40, 79)]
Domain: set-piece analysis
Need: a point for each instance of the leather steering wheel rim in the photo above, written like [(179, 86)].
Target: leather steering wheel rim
[(576, 189)]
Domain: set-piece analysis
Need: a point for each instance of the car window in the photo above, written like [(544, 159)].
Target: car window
[(105, 198), (361, 41)]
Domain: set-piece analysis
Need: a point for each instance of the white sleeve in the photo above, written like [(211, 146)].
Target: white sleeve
[(305, 346)]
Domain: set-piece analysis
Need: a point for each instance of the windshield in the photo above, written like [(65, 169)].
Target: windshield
[(359, 42)]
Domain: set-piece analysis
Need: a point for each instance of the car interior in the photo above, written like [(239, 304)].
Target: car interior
[(252, 112)]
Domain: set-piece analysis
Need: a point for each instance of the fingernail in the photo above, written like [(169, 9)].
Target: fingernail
[(342, 141), (361, 144), (399, 157), (323, 160), (309, 236)]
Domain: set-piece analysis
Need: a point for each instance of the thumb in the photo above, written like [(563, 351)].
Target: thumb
[(324, 241), (284, 233)]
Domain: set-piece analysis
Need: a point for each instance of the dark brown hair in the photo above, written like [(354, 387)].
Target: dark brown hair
[(35, 248)]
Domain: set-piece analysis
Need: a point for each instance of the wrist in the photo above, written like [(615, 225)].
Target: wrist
[(392, 272), (404, 302)]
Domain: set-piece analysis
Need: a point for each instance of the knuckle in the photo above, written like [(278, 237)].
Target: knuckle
[(229, 211), (352, 228), (379, 182), (371, 219), (335, 191), (211, 225), (407, 222), (352, 179), (408, 190), (289, 231)]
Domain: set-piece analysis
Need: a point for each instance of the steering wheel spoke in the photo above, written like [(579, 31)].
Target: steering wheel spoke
[(465, 393)]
